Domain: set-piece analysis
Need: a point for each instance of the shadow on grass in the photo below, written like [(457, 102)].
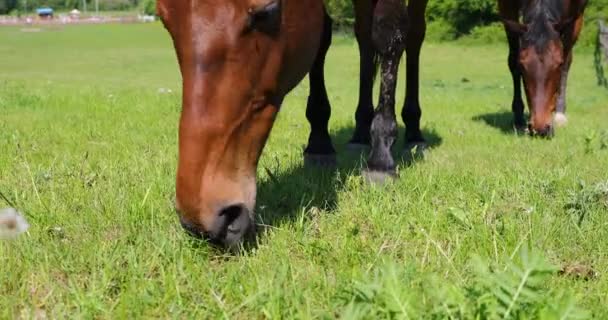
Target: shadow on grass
[(282, 198), (502, 121), (409, 156)]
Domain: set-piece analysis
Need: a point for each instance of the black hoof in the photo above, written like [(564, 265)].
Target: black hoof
[(519, 125), (320, 160), (416, 147), (520, 129), (378, 177), (414, 151), (361, 138)]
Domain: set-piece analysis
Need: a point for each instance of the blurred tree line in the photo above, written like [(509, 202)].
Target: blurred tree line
[(451, 19), (448, 19), (460, 15)]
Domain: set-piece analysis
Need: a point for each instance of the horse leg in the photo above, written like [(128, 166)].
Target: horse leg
[(510, 10), (560, 115), (320, 150), (364, 115), (517, 105), (412, 112), (389, 30)]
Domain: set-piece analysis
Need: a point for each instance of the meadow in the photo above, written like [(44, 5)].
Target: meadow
[(488, 225)]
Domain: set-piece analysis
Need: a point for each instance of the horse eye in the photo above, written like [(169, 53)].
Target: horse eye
[(266, 18), (523, 58)]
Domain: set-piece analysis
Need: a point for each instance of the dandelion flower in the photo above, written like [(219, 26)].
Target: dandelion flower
[(12, 223)]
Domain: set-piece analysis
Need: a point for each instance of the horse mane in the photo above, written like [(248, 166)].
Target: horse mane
[(540, 16)]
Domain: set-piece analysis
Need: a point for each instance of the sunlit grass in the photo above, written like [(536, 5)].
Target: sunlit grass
[(88, 154)]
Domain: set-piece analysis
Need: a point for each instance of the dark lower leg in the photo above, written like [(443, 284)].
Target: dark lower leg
[(365, 107), (517, 105), (390, 25), (412, 111), (561, 101), (318, 110), (384, 126)]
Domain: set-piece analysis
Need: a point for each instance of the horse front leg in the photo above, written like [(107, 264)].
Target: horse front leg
[(320, 150), (364, 11), (517, 106), (389, 34), (560, 118), (509, 10), (412, 112), (560, 115)]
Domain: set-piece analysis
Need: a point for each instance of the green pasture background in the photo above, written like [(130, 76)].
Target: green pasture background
[(488, 225)]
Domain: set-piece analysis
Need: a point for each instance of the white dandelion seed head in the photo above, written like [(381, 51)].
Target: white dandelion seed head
[(12, 223)]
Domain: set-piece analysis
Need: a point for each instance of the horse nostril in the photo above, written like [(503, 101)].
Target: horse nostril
[(546, 132), (232, 217), (550, 131), (231, 226), (233, 223), (191, 229), (231, 212)]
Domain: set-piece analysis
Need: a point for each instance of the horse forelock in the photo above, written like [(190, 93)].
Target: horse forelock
[(540, 16)]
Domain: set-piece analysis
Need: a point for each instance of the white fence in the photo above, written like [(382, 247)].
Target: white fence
[(67, 19)]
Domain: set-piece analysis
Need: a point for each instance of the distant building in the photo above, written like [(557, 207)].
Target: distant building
[(45, 13), (75, 14)]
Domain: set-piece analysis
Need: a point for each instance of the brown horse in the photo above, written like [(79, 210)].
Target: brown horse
[(540, 50), (238, 60)]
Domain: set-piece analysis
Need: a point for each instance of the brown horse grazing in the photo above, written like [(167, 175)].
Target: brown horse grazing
[(540, 50), (238, 60)]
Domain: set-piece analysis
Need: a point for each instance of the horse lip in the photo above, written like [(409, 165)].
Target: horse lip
[(233, 229), (191, 229)]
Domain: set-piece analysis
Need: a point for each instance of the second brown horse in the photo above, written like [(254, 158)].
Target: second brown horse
[(540, 51)]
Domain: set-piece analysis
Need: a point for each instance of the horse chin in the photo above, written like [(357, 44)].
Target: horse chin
[(376, 177)]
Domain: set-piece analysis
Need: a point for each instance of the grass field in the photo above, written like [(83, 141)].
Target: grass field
[(488, 225)]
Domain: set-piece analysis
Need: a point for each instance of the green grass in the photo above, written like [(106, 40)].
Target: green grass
[(88, 153)]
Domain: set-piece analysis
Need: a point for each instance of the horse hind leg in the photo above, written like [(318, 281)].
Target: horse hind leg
[(560, 118), (560, 115), (412, 112), (320, 150), (364, 11), (388, 34)]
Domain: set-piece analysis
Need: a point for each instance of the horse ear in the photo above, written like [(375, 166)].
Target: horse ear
[(265, 18), (515, 26), (162, 10)]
